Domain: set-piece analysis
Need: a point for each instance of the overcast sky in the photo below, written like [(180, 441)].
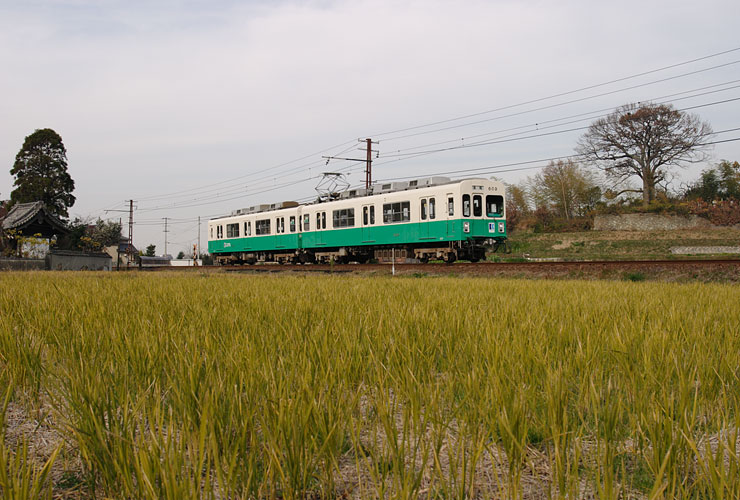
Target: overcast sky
[(197, 108)]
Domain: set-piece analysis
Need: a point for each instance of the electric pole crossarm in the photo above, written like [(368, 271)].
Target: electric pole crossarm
[(368, 160)]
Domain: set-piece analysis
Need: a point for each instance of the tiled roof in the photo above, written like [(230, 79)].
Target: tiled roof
[(23, 213)]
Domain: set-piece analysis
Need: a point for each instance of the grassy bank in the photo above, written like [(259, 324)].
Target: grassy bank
[(615, 245)]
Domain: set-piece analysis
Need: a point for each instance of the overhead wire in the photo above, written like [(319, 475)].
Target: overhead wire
[(495, 168), (571, 92), (587, 115), (561, 94), (564, 103)]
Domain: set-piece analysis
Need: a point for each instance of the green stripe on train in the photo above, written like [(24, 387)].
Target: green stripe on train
[(384, 234)]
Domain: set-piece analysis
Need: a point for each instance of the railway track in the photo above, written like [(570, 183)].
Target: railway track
[(545, 268)]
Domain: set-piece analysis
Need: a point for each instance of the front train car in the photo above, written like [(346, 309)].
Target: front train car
[(420, 220)]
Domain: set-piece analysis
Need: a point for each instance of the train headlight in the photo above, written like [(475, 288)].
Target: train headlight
[(500, 227), (466, 227)]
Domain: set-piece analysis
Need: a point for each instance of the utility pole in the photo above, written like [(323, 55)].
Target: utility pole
[(369, 162), (165, 235), (197, 255), (130, 243)]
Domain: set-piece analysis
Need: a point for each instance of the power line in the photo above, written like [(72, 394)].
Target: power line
[(247, 175), (589, 115), (401, 156), (504, 140), (498, 168), (564, 103), (561, 94), (201, 188)]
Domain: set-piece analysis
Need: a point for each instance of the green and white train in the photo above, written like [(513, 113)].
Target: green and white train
[(433, 218)]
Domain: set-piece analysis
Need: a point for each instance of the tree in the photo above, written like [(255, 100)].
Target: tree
[(91, 236), (645, 141), (105, 233), (516, 206), (565, 188), (180, 255), (150, 250), (40, 171), (720, 182)]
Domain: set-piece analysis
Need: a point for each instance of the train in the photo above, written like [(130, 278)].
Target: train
[(432, 218)]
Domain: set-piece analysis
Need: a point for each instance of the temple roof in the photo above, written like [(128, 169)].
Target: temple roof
[(33, 218)]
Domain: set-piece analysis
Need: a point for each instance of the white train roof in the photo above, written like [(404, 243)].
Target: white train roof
[(381, 188)]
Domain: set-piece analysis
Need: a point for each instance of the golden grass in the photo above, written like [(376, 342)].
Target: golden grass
[(222, 386)]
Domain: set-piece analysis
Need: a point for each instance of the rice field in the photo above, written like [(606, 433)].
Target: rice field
[(213, 386)]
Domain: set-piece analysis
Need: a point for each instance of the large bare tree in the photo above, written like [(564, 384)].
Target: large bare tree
[(646, 141)]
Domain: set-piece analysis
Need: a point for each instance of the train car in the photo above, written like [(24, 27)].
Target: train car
[(433, 218)]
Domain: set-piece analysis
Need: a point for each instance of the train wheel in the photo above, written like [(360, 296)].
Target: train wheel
[(450, 258)]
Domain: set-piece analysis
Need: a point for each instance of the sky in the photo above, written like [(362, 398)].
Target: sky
[(198, 108)]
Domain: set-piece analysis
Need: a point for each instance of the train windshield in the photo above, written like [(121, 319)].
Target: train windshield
[(494, 205), (477, 205)]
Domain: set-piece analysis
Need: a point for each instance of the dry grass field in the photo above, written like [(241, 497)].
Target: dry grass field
[(174, 386)]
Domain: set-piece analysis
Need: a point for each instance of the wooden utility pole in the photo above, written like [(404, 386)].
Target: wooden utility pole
[(369, 162)]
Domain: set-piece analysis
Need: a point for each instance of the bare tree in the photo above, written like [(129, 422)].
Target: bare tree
[(565, 188), (645, 141)]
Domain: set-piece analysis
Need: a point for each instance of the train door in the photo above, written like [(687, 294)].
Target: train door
[(452, 213), (424, 218), (368, 221), (321, 240)]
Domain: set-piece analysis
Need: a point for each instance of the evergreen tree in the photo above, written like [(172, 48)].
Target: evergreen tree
[(40, 171)]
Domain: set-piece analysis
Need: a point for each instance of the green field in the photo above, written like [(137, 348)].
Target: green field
[(176, 386)]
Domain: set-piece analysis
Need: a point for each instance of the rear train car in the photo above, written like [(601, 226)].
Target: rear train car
[(425, 219)]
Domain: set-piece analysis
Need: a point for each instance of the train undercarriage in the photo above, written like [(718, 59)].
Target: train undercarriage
[(471, 250)]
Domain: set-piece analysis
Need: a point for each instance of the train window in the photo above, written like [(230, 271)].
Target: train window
[(249, 228), (372, 214), (306, 222), (211, 232), (364, 216), (432, 215), (344, 217), (323, 220), (424, 209), (494, 205), (318, 220), (466, 205), (450, 206), (246, 230), (262, 226), (219, 232), (292, 224), (396, 212), (477, 205), (282, 224), (232, 230)]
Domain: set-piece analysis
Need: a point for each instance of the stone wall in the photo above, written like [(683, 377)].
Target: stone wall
[(649, 222), (22, 265), (78, 261)]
